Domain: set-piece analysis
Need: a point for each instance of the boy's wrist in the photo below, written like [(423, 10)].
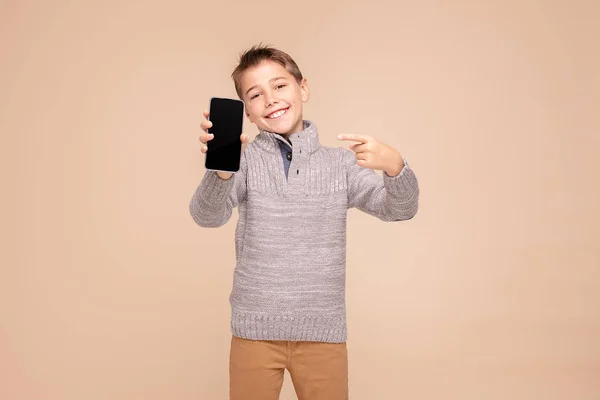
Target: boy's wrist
[(396, 166), (224, 175)]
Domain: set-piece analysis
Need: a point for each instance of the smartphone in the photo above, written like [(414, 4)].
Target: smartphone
[(225, 148)]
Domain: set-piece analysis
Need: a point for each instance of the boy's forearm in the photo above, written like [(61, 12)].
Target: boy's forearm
[(209, 206), (402, 194)]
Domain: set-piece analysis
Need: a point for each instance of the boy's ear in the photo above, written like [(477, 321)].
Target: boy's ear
[(304, 90)]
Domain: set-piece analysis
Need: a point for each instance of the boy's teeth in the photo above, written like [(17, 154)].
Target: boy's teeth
[(278, 114)]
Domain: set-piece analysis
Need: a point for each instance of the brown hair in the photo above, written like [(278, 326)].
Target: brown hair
[(256, 55)]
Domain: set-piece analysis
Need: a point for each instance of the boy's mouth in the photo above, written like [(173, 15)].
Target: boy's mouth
[(278, 113)]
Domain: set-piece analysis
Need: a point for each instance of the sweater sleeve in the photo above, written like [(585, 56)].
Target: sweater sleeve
[(387, 198), (212, 204)]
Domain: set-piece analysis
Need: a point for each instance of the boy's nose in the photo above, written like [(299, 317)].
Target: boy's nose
[(270, 101)]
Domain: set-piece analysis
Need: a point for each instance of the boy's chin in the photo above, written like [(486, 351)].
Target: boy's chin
[(284, 129)]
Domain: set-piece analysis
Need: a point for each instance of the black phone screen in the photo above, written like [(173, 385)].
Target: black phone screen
[(224, 150)]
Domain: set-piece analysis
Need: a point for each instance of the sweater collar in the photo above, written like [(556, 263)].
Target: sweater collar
[(307, 139)]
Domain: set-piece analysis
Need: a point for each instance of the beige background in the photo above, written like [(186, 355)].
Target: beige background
[(108, 290)]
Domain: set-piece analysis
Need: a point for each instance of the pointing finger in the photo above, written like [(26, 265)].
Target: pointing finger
[(356, 138)]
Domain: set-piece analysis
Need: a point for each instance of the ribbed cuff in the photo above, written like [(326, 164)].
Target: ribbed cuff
[(214, 189), (266, 327), (403, 185)]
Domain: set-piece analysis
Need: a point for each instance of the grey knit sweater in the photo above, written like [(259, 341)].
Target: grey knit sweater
[(290, 239)]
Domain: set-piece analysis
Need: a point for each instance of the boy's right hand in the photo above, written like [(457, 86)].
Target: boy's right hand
[(206, 137)]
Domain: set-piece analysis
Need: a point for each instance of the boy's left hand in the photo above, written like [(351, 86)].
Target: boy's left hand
[(373, 154)]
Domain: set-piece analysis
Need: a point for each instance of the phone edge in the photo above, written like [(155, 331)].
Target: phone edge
[(243, 114)]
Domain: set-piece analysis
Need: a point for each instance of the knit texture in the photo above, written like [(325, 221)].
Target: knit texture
[(290, 239)]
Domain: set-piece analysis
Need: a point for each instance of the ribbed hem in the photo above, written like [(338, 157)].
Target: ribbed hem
[(271, 327)]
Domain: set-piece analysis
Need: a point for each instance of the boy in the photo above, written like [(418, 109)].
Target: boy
[(288, 298)]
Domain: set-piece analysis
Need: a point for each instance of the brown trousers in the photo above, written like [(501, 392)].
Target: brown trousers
[(319, 371)]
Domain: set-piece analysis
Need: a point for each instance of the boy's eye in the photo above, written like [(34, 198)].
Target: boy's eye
[(254, 96), (280, 86)]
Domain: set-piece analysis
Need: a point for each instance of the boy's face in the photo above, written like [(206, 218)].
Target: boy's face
[(273, 99)]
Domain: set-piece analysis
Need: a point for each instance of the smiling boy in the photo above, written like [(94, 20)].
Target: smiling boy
[(288, 306)]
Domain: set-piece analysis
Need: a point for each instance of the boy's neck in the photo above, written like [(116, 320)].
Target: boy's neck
[(298, 129)]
